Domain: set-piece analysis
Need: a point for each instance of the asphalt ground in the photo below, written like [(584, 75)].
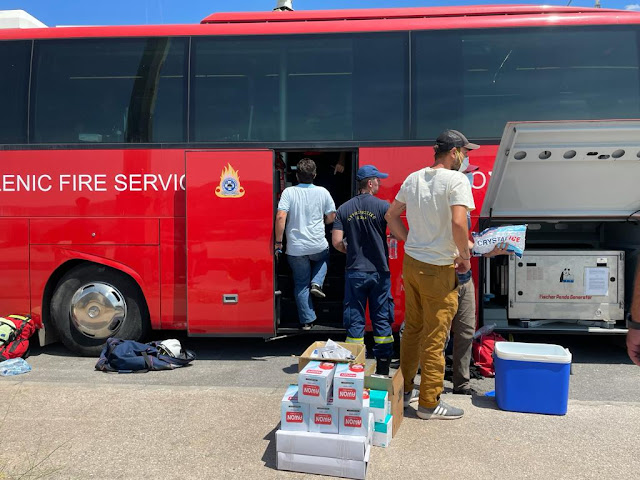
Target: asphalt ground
[(218, 417)]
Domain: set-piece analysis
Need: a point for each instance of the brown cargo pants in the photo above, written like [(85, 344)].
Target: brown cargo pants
[(431, 301)]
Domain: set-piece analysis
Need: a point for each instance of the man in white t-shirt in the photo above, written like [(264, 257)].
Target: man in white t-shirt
[(436, 200), (303, 211)]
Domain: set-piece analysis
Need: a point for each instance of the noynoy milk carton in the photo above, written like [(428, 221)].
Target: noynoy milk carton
[(324, 418), (295, 415), (314, 383), (355, 421), (348, 385)]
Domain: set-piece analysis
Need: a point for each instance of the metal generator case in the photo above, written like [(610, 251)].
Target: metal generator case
[(567, 285)]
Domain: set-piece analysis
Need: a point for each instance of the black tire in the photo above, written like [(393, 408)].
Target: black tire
[(133, 326)]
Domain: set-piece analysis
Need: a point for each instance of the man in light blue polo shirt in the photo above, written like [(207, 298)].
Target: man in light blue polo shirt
[(303, 211)]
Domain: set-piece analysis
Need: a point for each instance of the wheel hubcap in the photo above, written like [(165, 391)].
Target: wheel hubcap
[(98, 310)]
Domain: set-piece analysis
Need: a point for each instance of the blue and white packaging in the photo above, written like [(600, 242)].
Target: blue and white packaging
[(14, 366), (324, 418), (512, 235), (355, 421), (315, 381), (379, 404), (294, 415), (348, 385), (382, 432)]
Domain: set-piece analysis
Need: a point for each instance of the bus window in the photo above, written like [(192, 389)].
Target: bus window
[(14, 83), (381, 87), (315, 87), (109, 91), (489, 78), (235, 90)]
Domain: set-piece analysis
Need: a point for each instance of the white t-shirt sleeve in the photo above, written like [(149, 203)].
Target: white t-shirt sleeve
[(284, 203), (329, 205), (460, 192), (401, 196)]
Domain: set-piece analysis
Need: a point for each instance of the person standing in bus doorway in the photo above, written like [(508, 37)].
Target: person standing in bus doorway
[(633, 323), (436, 200), (360, 231), (303, 211)]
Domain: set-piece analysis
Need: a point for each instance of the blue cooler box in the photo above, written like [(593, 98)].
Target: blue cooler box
[(532, 377)]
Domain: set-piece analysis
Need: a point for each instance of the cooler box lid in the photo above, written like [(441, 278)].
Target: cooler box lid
[(532, 352), (565, 169)]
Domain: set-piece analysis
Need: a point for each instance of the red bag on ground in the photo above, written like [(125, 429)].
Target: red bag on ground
[(483, 353), (15, 343)]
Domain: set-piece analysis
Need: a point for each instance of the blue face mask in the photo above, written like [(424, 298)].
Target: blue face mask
[(469, 177), (464, 164)]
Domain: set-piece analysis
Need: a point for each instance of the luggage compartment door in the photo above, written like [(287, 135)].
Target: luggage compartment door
[(230, 287)]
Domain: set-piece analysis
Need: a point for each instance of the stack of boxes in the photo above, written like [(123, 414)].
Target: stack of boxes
[(380, 406), (329, 421)]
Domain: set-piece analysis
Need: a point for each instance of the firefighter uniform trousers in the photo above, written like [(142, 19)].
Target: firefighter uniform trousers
[(374, 287)]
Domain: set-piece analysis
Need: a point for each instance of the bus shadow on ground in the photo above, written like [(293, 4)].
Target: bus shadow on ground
[(585, 349)]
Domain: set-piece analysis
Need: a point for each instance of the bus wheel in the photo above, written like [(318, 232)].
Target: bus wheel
[(92, 303)]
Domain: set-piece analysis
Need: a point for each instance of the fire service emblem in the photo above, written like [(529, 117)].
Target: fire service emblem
[(229, 184)]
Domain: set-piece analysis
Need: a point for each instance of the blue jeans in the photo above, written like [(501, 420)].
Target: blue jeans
[(375, 287), (307, 269)]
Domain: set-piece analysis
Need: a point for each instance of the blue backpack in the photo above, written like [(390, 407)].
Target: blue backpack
[(127, 356)]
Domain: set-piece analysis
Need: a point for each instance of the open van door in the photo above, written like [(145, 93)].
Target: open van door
[(230, 288)]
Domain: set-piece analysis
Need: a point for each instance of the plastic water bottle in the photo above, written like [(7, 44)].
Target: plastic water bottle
[(14, 366), (484, 330), (393, 247)]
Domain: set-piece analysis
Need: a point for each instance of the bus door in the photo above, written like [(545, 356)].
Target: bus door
[(229, 219)]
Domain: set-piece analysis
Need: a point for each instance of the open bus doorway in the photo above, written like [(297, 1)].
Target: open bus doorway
[(335, 171)]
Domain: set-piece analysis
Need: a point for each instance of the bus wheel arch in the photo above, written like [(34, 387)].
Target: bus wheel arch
[(91, 302)]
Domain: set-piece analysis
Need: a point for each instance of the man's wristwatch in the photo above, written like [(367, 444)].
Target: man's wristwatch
[(631, 324)]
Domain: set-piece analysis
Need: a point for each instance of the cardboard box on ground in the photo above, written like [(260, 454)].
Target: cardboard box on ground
[(357, 350), (313, 452)]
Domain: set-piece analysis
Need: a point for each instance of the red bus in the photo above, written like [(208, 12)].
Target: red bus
[(141, 165)]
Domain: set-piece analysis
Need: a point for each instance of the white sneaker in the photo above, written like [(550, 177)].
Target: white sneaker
[(442, 411), (410, 397)]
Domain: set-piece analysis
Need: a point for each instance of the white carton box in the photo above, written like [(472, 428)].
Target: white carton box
[(365, 398), (295, 415), (322, 444), (348, 385), (355, 421), (382, 432), (379, 405), (334, 467), (324, 418), (315, 381)]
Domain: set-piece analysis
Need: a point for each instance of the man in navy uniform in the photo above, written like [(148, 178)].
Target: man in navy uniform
[(360, 231)]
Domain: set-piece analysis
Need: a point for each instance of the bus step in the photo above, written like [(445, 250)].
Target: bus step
[(317, 329)]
